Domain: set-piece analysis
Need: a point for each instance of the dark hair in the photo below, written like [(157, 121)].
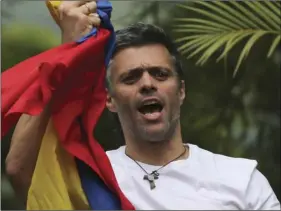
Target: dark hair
[(139, 34)]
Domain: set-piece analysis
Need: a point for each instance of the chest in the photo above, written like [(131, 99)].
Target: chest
[(173, 190)]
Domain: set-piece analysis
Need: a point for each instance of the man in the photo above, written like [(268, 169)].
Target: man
[(155, 170)]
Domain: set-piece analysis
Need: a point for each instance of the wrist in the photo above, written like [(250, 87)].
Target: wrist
[(65, 39)]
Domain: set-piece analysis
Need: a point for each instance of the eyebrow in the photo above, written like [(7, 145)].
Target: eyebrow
[(142, 68)]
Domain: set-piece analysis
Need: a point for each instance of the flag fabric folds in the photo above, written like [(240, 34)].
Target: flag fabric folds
[(55, 184), (73, 75)]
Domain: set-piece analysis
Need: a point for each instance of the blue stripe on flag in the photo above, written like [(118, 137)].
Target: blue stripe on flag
[(99, 196)]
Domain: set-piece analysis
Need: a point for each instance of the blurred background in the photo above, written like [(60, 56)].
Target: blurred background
[(232, 105)]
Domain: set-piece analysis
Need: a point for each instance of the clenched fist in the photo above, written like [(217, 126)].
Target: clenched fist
[(77, 19)]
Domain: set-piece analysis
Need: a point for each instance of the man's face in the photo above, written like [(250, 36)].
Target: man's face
[(146, 92)]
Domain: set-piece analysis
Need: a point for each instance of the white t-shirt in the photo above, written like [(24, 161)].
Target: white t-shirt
[(204, 181)]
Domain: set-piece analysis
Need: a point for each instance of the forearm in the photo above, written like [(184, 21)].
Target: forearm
[(25, 146), (76, 20)]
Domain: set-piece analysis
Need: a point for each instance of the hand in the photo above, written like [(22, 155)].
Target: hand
[(77, 19)]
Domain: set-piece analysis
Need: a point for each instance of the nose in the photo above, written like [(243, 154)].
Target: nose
[(147, 85)]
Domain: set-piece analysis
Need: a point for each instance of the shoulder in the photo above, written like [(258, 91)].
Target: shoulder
[(116, 156), (239, 176), (259, 194), (116, 152), (224, 167)]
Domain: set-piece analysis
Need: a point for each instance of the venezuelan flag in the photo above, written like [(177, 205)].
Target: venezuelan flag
[(72, 170)]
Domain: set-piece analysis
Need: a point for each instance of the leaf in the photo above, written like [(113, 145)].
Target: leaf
[(274, 45), (214, 47), (204, 27), (196, 39), (206, 44), (235, 39), (223, 25), (212, 16), (194, 43), (222, 12), (238, 15), (277, 3), (202, 31), (274, 9), (247, 49), (250, 15), (263, 12), (185, 38), (206, 22)]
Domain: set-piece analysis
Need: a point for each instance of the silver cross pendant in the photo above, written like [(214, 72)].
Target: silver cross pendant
[(150, 178)]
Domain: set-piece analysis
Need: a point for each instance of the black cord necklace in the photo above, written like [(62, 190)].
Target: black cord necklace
[(154, 174)]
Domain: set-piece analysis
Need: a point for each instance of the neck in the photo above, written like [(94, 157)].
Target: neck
[(156, 153)]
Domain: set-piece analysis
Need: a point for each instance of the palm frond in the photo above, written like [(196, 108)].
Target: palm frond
[(210, 15), (218, 44), (277, 4), (274, 9), (231, 42), (189, 27), (195, 43), (222, 25), (205, 45), (205, 22), (248, 47), (243, 20), (242, 8), (223, 15), (274, 45), (271, 20)]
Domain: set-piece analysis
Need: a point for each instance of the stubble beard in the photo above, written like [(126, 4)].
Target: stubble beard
[(162, 135)]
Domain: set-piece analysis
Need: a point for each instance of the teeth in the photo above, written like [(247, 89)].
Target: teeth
[(150, 102)]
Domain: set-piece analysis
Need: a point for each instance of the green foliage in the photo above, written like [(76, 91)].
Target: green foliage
[(21, 42), (221, 25)]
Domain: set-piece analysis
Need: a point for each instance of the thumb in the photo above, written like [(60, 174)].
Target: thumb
[(94, 19)]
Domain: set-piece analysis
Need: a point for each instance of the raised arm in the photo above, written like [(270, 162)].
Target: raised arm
[(76, 19)]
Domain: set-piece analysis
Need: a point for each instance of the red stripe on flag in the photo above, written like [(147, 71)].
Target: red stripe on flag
[(73, 75)]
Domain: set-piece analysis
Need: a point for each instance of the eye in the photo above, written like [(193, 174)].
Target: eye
[(132, 77), (160, 73), (129, 80)]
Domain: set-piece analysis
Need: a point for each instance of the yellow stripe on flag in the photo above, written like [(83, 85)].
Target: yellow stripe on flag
[(53, 9), (55, 184)]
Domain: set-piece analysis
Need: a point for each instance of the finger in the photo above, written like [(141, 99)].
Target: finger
[(74, 4), (88, 8), (81, 2), (67, 6), (94, 19)]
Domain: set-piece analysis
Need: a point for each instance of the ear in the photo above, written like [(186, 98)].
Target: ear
[(110, 103), (182, 91)]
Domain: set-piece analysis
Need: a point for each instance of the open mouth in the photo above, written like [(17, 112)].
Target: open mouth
[(150, 107)]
